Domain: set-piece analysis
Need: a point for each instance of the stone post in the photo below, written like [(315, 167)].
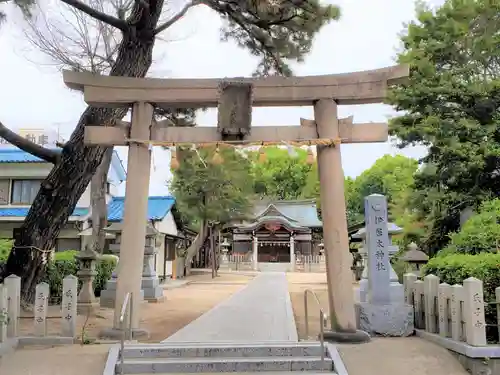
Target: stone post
[(431, 287), (4, 317), (42, 292), (13, 285), (150, 284), (338, 257), (69, 306), (292, 253), (255, 253), (86, 299), (444, 293), (475, 324), (457, 296), (381, 314)]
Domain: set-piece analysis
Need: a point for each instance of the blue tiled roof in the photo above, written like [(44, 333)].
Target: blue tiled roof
[(158, 207), (303, 212), (16, 155), (23, 211)]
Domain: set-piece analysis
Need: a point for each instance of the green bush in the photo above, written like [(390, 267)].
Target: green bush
[(455, 268), (479, 234), (5, 246), (64, 264)]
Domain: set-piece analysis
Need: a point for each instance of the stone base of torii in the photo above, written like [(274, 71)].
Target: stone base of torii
[(327, 132)]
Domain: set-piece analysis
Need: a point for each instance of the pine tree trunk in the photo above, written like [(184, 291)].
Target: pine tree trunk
[(63, 187), (98, 203)]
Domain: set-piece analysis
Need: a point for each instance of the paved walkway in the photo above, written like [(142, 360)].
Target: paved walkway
[(261, 311)]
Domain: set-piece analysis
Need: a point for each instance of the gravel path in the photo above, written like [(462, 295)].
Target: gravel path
[(261, 311)]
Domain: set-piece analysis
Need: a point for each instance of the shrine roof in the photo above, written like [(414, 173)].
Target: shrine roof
[(298, 212)]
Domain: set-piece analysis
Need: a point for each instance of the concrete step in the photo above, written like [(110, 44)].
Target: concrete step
[(236, 364), (222, 350)]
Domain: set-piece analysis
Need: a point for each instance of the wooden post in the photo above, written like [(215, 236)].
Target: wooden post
[(338, 257), (135, 215)]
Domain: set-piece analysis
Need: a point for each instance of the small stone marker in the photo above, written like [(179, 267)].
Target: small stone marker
[(41, 306), (377, 239), (443, 303), (13, 285), (457, 295), (475, 325), (3, 313), (69, 306)]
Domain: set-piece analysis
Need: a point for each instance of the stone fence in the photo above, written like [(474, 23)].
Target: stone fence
[(244, 262), (10, 309), (450, 311)]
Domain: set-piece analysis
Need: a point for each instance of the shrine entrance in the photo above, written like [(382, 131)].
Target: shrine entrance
[(235, 98)]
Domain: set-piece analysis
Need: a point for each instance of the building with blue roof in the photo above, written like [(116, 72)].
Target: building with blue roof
[(278, 232), (20, 176)]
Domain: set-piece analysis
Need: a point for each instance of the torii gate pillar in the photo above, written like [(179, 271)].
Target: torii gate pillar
[(134, 223), (335, 239)]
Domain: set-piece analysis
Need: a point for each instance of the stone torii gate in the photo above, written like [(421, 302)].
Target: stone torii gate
[(235, 98)]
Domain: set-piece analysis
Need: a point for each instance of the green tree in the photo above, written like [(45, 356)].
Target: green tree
[(390, 175), (450, 104), (280, 176), (481, 233), (277, 34), (209, 193)]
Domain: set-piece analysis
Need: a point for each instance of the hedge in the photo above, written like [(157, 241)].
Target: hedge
[(455, 268), (64, 264)]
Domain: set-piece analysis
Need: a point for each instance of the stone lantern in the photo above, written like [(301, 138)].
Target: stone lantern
[(151, 290), (416, 258), (397, 291), (224, 248), (321, 248)]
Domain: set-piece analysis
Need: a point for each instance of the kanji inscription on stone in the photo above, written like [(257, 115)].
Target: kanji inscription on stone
[(377, 241), (69, 306)]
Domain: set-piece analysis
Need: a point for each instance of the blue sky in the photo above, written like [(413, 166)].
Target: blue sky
[(34, 96)]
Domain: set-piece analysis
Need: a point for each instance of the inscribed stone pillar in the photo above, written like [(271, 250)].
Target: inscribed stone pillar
[(255, 253), (13, 285), (42, 293), (338, 257), (135, 216), (69, 306), (381, 315)]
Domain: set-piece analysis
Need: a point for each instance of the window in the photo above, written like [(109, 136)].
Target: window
[(4, 191), (24, 191)]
